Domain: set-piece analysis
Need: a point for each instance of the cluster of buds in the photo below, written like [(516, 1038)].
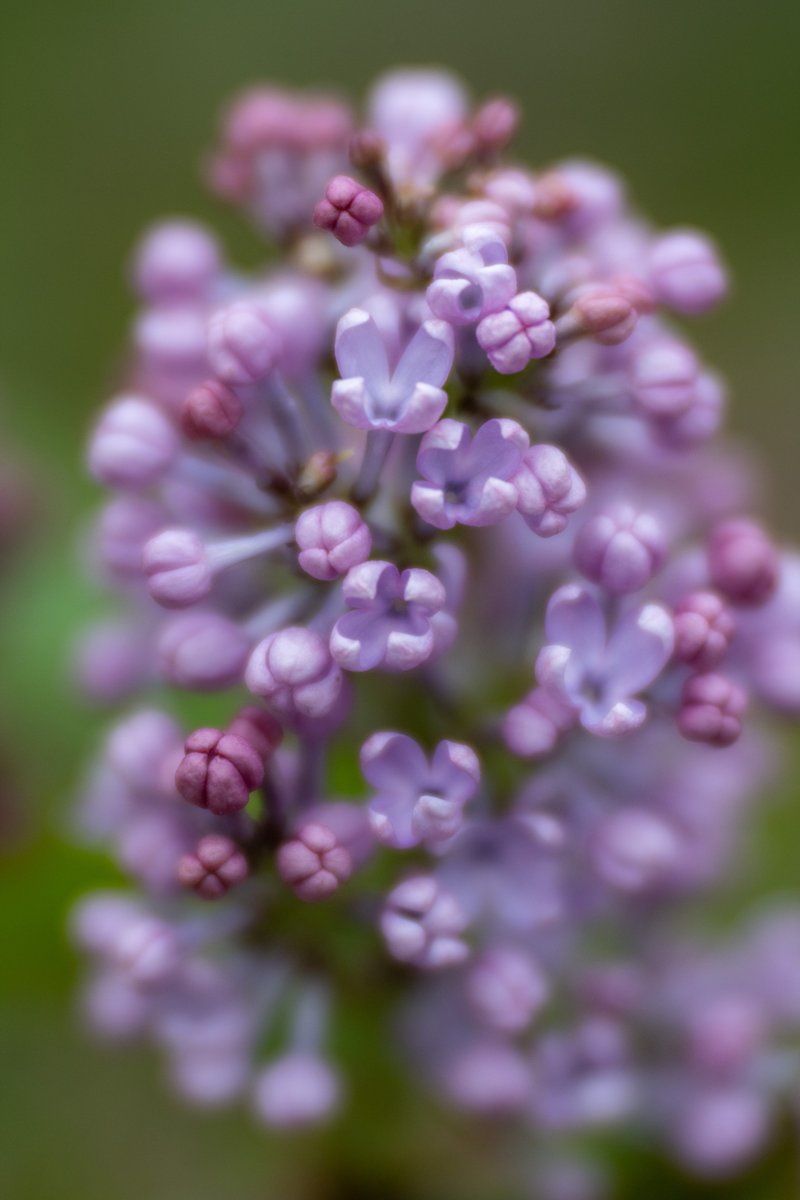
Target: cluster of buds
[(453, 441)]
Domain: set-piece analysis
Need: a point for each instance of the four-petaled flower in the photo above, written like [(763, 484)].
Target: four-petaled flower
[(599, 672), (468, 477), (390, 624), (473, 281), (369, 395), (417, 800)]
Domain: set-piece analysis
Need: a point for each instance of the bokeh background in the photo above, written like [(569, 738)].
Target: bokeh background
[(105, 111)]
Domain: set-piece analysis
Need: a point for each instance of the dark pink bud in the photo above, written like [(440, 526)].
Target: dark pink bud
[(218, 771), (743, 562), (703, 630), (495, 124), (348, 210), (216, 865), (212, 410), (259, 728), (314, 863), (711, 710)]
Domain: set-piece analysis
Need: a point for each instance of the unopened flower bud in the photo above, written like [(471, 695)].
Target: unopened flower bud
[(711, 709), (299, 1089), (293, 669), (218, 771), (703, 630), (314, 863), (213, 868), (506, 988), (348, 210), (663, 379), (133, 444), (212, 410), (686, 272), (367, 150), (519, 332), (331, 538), (620, 548), (495, 124), (176, 261), (259, 728), (242, 344), (177, 568), (202, 651), (603, 314), (743, 562), (635, 850)]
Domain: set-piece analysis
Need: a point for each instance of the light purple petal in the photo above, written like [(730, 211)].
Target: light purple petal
[(574, 619), (394, 762), (407, 649), (623, 717), (440, 448), (428, 500), (426, 359), (370, 581), (455, 771), (639, 648), (391, 820), (349, 398), (359, 349), (421, 410), (358, 640)]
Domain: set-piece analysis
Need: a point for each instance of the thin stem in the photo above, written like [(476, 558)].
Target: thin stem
[(378, 445)]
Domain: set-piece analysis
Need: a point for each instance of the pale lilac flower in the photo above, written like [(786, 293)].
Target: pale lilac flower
[(414, 111), (417, 799), (473, 281), (331, 539), (635, 850), (409, 399), (490, 1078), (390, 622), (517, 333), (469, 479), (294, 671), (549, 490), (212, 410), (202, 651), (422, 924), (600, 671)]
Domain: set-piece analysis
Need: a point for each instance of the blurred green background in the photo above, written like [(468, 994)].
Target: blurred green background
[(105, 111)]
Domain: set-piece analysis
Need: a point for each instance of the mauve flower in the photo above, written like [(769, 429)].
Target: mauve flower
[(369, 395), (294, 671), (600, 671), (422, 924), (133, 444), (216, 865), (469, 479), (176, 261), (517, 333), (549, 489), (390, 622), (348, 210), (417, 800), (331, 539), (685, 271)]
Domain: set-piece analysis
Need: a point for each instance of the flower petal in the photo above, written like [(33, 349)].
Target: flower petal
[(360, 351), (574, 619), (426, 359), (639, 648)]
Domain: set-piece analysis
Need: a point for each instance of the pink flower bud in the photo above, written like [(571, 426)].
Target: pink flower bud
[(620, 548), (743, 562), (176, 261), (242, 344), (133, 444), (332, 538), (202, 651), (293, 669), (348, 210), (686, 272), (703, 630), (218, 771), (495, 124), (711, 709), (604, 314), (663, 379), (519, 332), (212, 410), (177, 568), (213, 868), (314, 863)]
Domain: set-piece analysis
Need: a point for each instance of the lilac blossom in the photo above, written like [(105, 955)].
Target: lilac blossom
[(390, 622), (369, 395), (417, 800), (468, 480), (601, 671), (574, 510)]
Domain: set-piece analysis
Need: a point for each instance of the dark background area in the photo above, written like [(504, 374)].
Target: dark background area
[(105, 112)]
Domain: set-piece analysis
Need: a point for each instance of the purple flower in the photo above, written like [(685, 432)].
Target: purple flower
[(468, 477), (391, 622), (507, 989), (133, 444), (242, 345), (600, 671), (176, 261), (370, 396), (219, 771), (473, 281), (216, 865), (549, 490), (517, 333), (297, 1090), (314, 862), (417, 800)]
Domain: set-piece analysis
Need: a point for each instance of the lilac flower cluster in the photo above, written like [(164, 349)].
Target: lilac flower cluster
[(453, 441)]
